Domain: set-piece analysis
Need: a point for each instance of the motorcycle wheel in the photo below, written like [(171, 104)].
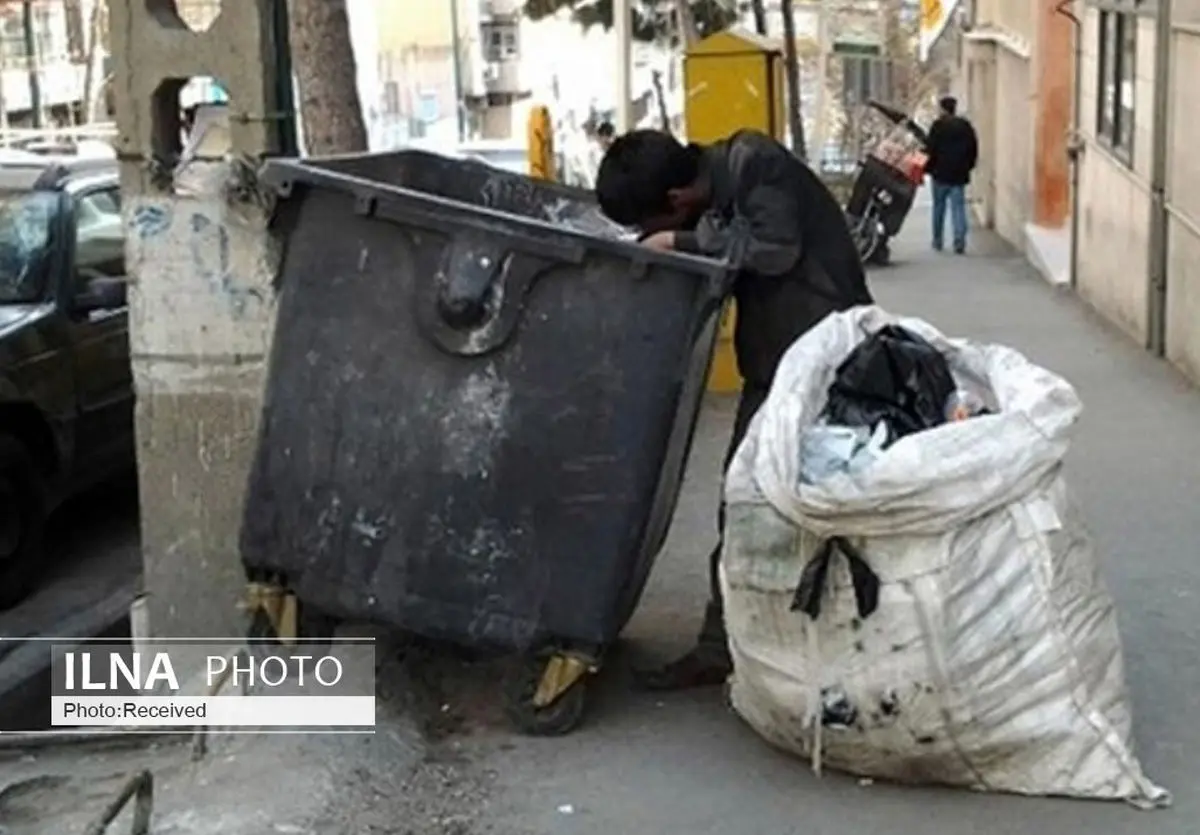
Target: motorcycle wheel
[(882, 256), (867, 238)]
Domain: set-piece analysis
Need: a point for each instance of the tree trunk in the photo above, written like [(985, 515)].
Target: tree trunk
[(760, 16), (688, 34), (663, 115), (791, 64), (323, 57)]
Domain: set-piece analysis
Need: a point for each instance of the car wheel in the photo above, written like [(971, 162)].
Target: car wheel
[(22, 522)]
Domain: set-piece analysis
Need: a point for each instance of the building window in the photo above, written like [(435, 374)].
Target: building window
[(1118, 60), (499, 42), (391, 97), (49, 33), (865, 78)]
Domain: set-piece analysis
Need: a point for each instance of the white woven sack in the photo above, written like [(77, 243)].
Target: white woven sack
[(992, 660)]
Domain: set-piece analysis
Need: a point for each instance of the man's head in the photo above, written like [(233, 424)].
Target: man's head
[(606, 134), (651, 181), (949, 105)]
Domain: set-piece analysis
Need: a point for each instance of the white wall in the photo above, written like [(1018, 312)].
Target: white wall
[(1013, 149), (1183, 196), (1114, 197)]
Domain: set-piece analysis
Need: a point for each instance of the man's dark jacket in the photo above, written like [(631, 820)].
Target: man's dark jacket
[(790, 239), (953, 151)]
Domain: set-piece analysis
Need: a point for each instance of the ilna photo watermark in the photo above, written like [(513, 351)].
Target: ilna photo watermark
[(220, 683)]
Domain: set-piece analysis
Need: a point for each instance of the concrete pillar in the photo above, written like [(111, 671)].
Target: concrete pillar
[(201, 265), (1054, 64)]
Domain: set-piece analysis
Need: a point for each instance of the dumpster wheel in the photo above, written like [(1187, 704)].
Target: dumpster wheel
[(548, 696)]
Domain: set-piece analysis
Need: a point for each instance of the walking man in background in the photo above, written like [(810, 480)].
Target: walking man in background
[(953, 150)]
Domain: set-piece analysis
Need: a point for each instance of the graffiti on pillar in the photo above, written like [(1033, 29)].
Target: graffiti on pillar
[(150, 221), (210, 251)]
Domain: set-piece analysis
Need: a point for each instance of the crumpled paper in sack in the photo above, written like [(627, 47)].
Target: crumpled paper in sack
[(952, 626)]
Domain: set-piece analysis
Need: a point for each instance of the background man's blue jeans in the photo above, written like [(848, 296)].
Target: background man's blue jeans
[(956, 196)]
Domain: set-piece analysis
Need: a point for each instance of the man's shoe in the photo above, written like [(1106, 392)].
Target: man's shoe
[(704, 666)]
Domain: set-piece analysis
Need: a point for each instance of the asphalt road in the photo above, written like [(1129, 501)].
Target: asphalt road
[(93, 562)]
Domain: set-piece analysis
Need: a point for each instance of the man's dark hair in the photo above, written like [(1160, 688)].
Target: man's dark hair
[(639, 170), (606, 130), (949, 104)]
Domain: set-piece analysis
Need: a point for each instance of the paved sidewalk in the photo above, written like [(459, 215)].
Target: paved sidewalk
[(685, 764)]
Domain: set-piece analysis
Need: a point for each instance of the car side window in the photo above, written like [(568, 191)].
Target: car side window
[(99, 237)]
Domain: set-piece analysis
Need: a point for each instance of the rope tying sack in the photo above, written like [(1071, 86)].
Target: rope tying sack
[(807, 599)]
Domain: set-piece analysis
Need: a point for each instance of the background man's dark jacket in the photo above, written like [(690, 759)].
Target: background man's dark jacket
[(790, 238), (953, 151)]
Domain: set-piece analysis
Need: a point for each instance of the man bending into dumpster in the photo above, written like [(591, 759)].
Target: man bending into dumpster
[(750, 199)]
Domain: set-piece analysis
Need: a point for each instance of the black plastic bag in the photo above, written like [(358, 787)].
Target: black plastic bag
[(893, 377)]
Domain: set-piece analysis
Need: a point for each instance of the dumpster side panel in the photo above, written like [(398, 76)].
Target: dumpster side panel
[(503, 497)]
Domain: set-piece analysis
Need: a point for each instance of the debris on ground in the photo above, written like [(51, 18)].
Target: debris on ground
[(413, 776)]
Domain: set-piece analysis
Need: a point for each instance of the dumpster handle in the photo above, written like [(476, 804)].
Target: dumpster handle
[(471, 279), (478, 294)]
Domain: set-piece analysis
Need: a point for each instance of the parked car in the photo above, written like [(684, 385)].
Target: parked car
[(66, 386)]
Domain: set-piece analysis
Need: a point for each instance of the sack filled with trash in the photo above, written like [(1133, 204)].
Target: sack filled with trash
[(924, 605)]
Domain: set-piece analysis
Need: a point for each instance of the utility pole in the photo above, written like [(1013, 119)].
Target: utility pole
[(820, 121), (196, 436), (3, 94), (623, 29), (31, 52), (688, 33), (791, 64), (760, 16), (456, 46)]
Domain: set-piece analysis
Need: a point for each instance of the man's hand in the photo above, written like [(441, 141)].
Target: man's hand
[(662, 241)]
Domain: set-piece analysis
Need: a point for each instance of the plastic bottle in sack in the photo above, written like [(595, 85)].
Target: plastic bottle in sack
[(963, 405)]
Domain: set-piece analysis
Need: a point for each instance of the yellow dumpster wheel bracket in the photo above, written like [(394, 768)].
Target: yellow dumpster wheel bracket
[(547, 694), (278, 617)]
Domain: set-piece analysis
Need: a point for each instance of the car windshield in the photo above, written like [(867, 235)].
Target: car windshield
[(26, 223)]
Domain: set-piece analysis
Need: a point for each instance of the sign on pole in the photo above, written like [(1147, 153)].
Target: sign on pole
[(935, 16)]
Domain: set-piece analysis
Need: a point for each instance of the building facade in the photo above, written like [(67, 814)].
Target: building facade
[(1180, 212), (1138, 257), (1103, 194), (429, 52), (1018, 80), (43, 60)]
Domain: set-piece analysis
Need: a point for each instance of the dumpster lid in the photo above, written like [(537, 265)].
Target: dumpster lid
[(443, 214)]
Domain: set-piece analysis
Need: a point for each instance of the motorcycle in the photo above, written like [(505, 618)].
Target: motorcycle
[(886, 184)]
